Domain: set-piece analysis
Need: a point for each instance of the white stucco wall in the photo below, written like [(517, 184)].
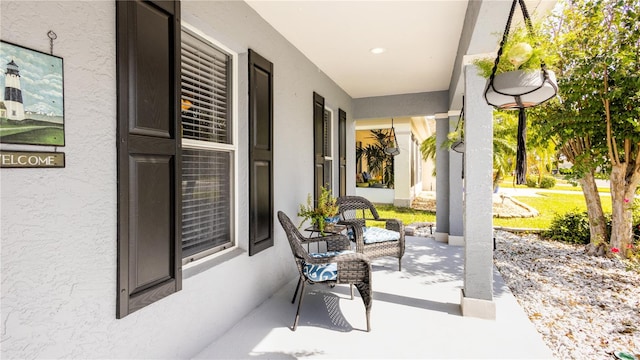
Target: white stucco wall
[(58, 226)]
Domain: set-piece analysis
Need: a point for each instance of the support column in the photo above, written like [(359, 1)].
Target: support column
[(402, 166), (477, 294), (456, 235), (442, 179)]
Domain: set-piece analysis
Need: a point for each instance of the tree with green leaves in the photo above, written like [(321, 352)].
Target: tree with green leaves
[(379, 163), (597, 122), (505, 125), (504, 144)]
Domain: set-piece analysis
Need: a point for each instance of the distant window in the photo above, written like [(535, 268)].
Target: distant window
[(328, 146)]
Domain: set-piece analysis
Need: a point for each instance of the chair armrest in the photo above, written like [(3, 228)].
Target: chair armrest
[(353, 222), (397, 225), (349, 257), (354, 268), (356, 227), (394, 224)]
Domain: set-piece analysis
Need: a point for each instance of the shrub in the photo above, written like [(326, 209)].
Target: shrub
[(563, 171), (571, 227), (547, 182), (531, 181)]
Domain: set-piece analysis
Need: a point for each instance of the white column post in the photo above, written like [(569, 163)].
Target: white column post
[(442, 179), (477, 294), (456, 235), (402, 166)]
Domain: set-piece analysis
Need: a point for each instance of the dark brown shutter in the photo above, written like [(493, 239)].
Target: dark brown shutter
[(260, 153), (318, 145), (342, 151), (148, 64)]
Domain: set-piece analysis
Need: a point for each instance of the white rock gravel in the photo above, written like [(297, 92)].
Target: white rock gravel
[(585, 307)]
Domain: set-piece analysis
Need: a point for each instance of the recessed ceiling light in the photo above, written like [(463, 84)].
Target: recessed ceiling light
[(378, 50)]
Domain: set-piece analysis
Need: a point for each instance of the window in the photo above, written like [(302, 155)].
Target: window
[(208, 148)]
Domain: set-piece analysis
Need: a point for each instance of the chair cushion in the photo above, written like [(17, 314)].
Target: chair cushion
[(372, 235), (323, 272)]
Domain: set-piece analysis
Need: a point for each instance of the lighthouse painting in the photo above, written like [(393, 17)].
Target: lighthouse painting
[(32, 97)]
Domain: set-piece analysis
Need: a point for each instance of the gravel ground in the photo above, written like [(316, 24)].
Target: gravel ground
[(585, 307)]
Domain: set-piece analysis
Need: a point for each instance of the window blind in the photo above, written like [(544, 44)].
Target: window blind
[(205, 200), (205, 91)]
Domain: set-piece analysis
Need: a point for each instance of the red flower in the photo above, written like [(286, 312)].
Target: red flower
[(626, 200), (615, 250), (629, 246)]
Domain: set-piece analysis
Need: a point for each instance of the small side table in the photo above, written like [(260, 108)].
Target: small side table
[(337, 229)]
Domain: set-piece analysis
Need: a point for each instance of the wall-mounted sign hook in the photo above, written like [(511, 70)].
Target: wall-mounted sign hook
[(52, 36)]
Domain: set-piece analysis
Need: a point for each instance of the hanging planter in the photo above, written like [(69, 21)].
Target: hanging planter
[(524, 86), (521, 89), (393, 148), (522, 79), (458, 134)]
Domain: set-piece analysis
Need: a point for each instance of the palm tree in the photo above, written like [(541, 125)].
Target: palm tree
[(504, 145), (379, 163)]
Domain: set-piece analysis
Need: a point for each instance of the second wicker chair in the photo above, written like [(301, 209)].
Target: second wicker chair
[(370, 241)]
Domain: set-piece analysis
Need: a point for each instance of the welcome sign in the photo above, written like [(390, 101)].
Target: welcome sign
[(24, 159)]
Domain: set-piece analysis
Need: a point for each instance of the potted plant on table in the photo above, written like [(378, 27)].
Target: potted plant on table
[(323, 215)]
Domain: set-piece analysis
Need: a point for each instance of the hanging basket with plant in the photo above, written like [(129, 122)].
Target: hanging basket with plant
[(521, 82)]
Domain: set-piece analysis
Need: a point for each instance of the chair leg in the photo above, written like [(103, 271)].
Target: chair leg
[(295, 322), (351, 287), (293, 300), (368, 320), (365, 293)]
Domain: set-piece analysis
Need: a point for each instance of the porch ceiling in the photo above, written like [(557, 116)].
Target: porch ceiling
[(423, 39)]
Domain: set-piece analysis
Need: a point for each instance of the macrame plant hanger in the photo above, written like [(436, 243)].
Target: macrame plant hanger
[(459, 145), (394, 147), (543, 90)]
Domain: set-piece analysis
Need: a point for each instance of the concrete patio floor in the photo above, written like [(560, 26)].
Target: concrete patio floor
[(415, 315)]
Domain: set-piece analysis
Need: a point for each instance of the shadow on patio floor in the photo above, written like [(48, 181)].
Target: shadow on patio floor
[(415, 314)]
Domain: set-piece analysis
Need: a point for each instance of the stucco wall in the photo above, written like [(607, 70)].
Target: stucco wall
[(58, 226)]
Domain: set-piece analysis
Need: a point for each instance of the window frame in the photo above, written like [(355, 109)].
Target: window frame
[(231, 148)]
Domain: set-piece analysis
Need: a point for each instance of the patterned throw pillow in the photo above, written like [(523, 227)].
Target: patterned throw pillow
[(323, 272)]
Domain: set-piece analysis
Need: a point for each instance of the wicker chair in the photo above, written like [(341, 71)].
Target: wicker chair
[(352, 268), (356, 220)]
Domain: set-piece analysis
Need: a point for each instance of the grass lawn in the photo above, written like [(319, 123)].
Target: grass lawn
[(407, 215), (547, 204), (507, 183)]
